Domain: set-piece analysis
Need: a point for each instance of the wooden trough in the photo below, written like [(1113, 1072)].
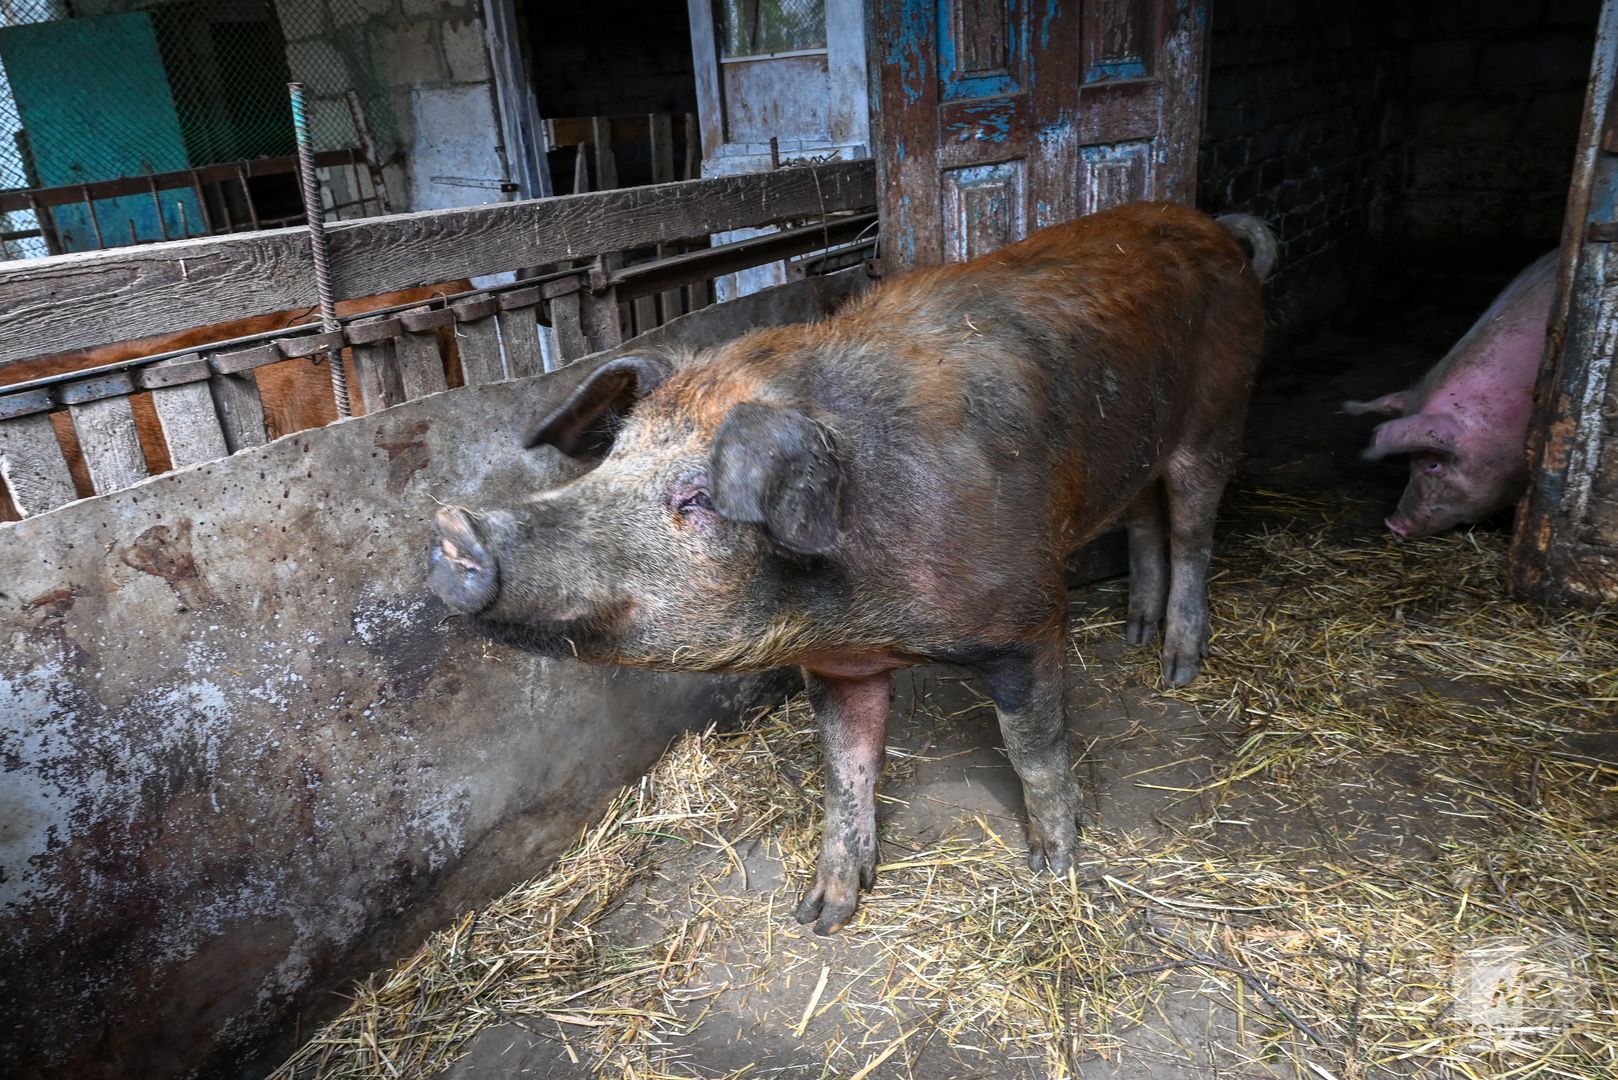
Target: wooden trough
[(243, 754)]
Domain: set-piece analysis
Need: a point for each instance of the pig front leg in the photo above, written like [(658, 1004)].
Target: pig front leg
[(1026, 686), (1148, 565), (852, 714)]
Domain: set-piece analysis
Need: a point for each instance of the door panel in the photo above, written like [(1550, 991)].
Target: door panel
[(997, 116)]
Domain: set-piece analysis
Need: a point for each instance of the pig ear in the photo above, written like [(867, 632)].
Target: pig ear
[(584, 424), (1422, 433), (1395, 404), (778, 468)]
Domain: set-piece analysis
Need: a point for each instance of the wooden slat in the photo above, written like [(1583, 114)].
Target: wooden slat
[(189, 420), (374, 366), (32, 465), (603, 322), (109, 443), (660, 134), (520, 332), (236, 402), (567, 319), (421, 368), (86, 299), (478, 341)]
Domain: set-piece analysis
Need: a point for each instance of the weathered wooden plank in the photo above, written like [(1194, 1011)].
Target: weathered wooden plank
[(520, 332), (477, 338), (107, 438), (1564, 547), (188, 418), (375, 368), (603, 320), (660, 138), (32, 466), (421, 367), (236, 402), (86, 299)]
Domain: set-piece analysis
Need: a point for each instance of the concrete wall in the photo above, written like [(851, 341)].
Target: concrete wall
[(244, 756), (423, 67)]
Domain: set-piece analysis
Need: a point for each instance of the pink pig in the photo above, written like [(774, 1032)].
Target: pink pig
[(1465, 423)]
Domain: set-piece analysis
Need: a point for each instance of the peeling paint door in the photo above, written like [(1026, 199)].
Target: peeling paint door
[(997, 117), (1566, 544)]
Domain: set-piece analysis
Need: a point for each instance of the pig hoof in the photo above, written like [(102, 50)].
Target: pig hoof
[(1054, 853), (1180, 668), (830, 903), (828, 916), (1140, 630)]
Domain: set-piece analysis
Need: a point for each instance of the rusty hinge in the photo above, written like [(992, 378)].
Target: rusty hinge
[(1602, 232)]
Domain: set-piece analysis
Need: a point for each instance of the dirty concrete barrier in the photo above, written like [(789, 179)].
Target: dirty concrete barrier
[(244, 755)]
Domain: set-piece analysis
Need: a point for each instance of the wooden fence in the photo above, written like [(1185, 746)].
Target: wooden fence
[(206, 397)]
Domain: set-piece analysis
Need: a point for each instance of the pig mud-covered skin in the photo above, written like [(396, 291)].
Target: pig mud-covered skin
[(900, 484), (1465, 423)]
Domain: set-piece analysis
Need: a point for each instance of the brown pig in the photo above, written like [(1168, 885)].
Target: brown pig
[(898, 485)]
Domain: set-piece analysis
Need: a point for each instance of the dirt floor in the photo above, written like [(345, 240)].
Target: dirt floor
[(1372, 840)]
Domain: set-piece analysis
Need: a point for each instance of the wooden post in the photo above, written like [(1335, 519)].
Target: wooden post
[(567, 318), (235, 398), (661, 127), (421, 367)]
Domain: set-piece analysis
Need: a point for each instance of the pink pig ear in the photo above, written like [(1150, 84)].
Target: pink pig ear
[(1422, 433), (1395, 404)]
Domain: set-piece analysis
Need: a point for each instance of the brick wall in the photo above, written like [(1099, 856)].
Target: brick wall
[(1303, 128), (1496, 92), (1383, 133)]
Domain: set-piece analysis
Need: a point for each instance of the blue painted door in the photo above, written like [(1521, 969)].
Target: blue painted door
[(996, 117), (95, 104)]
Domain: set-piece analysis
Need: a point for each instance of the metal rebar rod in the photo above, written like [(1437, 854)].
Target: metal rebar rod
[(317, 246)]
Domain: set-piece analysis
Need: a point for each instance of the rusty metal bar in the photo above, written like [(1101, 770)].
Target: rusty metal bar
[(95, 223), (317, 246), (157, 205), (16, 199), (247, 196)]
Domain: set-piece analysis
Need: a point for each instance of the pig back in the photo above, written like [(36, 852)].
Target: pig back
[(1067, 366), (1495, 362)]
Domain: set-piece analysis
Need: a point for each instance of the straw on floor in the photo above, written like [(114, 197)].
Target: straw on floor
[(1352, 677)]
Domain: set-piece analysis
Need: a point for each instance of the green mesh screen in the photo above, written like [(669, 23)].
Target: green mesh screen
[(109, 89)]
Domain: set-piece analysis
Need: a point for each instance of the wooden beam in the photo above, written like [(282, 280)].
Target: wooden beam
[(81, 300)]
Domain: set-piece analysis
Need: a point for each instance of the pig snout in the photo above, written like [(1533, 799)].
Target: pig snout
[(462, 568)]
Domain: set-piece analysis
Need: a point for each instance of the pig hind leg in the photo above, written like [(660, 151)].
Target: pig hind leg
[(1026, 686), (1194, 483), (852, 715), (1144, 524)]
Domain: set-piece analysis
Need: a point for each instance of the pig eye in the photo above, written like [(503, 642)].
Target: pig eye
[(697, 500)]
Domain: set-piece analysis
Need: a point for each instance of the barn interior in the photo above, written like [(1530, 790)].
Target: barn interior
[(1413, 158), (1370, 841)]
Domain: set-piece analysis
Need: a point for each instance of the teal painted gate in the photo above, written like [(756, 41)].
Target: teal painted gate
[(95, 103)]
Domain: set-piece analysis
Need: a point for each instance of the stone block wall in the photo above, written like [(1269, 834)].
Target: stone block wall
[(422, 68)]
